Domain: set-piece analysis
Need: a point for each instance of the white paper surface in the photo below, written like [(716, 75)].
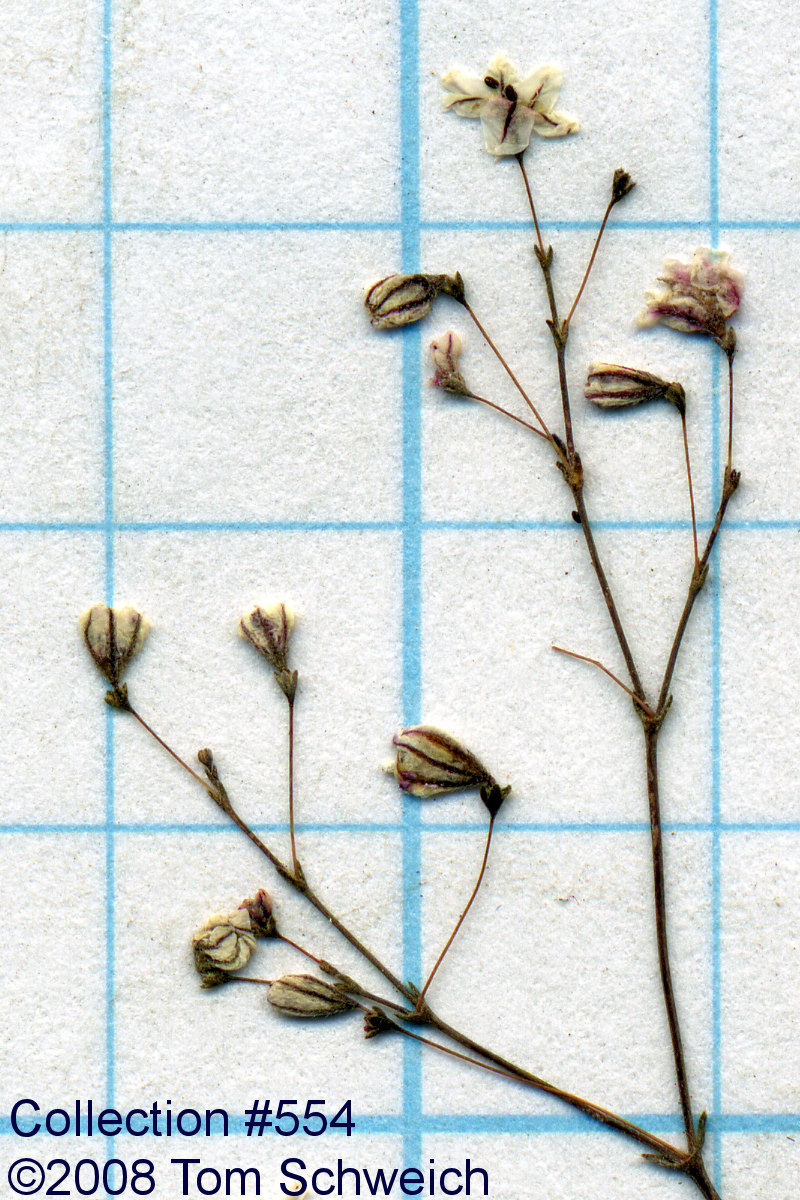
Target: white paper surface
[(199, 418)]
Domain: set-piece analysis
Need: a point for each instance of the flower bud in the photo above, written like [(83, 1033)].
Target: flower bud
[(268, 630), (445, 353), (376, 1022), (305, 996), (621, 185), (429, 763), (224, 944), (113, 636), (259, 909), (403, 299), (611, 386)]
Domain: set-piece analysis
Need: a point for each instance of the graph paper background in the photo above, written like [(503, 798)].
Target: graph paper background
[(198, 418)]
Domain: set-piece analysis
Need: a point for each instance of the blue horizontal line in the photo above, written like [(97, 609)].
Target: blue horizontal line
[(364, 226), (53, 827), (383, 526), (500, 1123)]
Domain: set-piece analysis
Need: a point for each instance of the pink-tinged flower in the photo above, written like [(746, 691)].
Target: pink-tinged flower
[(445, 352), (430, 763), (510, 109), (268, 630), (612, 386), (699, 297), (403, 299)]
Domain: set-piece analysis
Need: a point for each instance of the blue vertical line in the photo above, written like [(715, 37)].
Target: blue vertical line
[(717, 409), (108, 516), (412, 550)]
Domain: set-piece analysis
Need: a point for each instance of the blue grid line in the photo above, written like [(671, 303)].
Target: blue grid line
[(384, 827), (411, 581), (589, 225), (612, 525), (108, 504)]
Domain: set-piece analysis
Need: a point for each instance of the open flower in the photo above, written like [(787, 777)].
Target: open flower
[(509, 108), (224, 944), (699, 297)]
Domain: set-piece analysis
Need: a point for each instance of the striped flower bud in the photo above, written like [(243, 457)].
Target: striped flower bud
[(430, 763), (445, 352), (223, 945), (403, 299), (268, 631), (113, 636), (611, 386), (306, 996)]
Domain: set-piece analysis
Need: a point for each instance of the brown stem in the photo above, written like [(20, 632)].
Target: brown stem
[(659, 894), (730, 353), (508, 371), (611, 204), (460, 920), (295, 860), (530, 202), (691, 490), (164, 745), (506, 413), (729, 486), (607, 594), (596, 663)]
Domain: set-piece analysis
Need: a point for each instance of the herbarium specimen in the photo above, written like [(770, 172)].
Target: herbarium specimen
[(697, 297)]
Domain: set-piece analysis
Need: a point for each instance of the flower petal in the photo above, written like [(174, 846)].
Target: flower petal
[(554, 124), (506, 127), (466, 93), (540, 89), (504, 72)]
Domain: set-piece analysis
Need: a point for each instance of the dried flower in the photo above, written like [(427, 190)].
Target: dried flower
[(305, 996), (509, 108), (429, 763), (403, 299), (376, 1022), (445, 353), (621, 185), (611, 386), (699, 297), (259, 910), (113, 636), (224, 944), (268, 630)]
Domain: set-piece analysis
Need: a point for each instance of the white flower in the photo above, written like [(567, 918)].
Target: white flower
[(224, 944), (509, 108), (699, 296), (113, 636)]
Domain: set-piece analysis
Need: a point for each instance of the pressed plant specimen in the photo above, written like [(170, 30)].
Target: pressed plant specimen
[(698, 297)]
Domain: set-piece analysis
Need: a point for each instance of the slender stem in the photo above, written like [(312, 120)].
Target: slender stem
[(460, 920), (659, 893), (595, 663), (691, 491), (530, 202), (506, 413), (560, 338), (509, 372), (730, 353), (730, 483), (220, 797), (611, 204), (295, 859), (203, 783), (607, 593), (503, 1067)]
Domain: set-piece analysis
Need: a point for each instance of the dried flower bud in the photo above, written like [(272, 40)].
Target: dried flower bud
[(403, 299), (621, 185), (305, 996), (268, 630), (612, 386), (259, 908), (113, 636), (445, 353), (376, 1022), (224, 944), (429, 763)]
